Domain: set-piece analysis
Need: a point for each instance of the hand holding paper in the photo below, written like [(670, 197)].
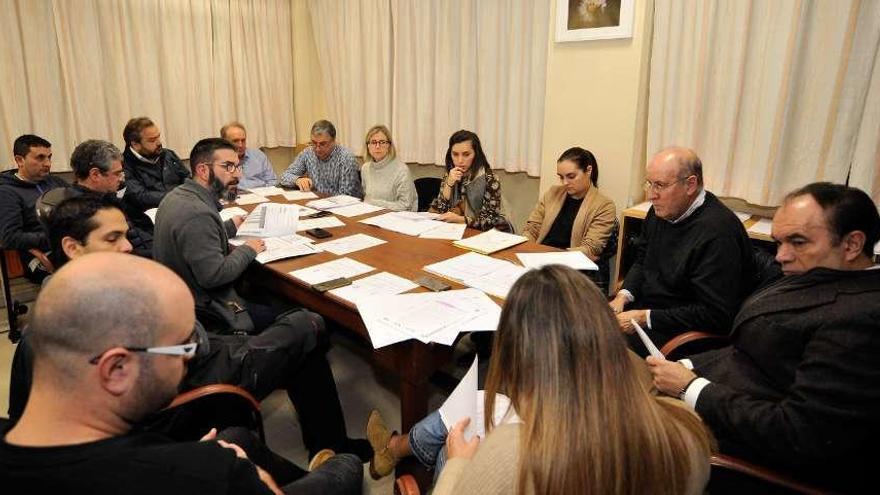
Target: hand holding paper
[(647, 341)]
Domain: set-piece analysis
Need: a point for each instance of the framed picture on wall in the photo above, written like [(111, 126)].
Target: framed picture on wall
[(578, 20)]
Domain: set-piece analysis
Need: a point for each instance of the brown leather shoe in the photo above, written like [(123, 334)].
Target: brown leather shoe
[(320, 458), (383, 461)]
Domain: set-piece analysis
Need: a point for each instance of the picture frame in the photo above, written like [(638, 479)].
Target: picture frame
[(580, 20)]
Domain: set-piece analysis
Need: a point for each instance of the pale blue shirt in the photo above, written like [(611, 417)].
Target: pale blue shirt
[(339, 174), (256, 170)]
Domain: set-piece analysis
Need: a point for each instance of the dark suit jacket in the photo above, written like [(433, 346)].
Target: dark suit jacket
[(800, 386)]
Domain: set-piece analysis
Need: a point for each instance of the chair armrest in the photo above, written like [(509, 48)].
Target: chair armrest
[(43, 259), (406, 485), (687, 337), (761, 473), (214, 388)]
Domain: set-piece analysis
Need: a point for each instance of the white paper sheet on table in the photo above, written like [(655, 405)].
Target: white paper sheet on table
[(403, 222), (319, 223), (249, 199), (466, 266), (742, 216), (498, 282), (448, 231), (333, 202), (380, 284), (278, 248), (490, 241), (350, 244), (339, 268), (270, 220), (356, 209), (266, 191), (418, 215), (152, 214), (427, 316), (299, 195), (228, 213), (571, 259), (305, 210), (762, 226)]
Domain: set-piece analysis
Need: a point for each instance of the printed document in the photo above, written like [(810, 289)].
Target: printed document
[(270, 220), (298, 195), (356, 209), (448, 231), (249, 199), (228, 213), (380, 284), (350, 244), (403, 223), (277, 248), (490, 241), (468, 402), (333, 202), (498, 282), (267, 191), (572, 259), (339, 268)]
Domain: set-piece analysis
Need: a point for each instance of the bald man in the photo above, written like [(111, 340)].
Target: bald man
[(107, 354), (694, 264)]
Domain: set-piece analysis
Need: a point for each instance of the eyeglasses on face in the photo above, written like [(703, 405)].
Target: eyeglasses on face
[(321, 144), (658, 186), (230, 166), (186, 349), (380, 142)]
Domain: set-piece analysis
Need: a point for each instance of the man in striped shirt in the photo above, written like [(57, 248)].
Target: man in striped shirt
[(325, 167)]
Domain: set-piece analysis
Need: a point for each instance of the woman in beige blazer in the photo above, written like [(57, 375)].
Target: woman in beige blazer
[(574, 214)]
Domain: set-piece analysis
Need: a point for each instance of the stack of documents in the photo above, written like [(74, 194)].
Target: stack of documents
[(404, 222), (427, 316), (333, 202), (331, 270), (266, 191), (270, 220), (490, 275), (490, 241), (350, 244), (380, 284), (571, 259), (298, 195), (278, 248)]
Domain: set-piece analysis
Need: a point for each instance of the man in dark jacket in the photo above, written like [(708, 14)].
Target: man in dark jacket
[(97, 166), (19, 191), (798, 389), (150, 170), (694, 264)]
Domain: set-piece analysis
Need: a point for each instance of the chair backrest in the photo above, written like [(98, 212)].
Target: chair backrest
[(427, 188), (193, 413), (12, 268), (49, 200)]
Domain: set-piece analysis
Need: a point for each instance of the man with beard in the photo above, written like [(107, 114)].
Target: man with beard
[(111, 339), (150, 170), (193, 241)]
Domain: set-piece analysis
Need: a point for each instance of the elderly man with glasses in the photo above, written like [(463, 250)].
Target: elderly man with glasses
[(694, 261), (325, 166), (99, 373)]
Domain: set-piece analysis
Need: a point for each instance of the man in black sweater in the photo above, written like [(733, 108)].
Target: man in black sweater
[(694, 261), (19, 191), (150, 170)]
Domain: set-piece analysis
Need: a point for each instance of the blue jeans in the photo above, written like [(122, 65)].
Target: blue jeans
[(427, 439)]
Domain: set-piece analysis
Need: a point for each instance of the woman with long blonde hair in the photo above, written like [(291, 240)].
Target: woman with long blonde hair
[(584, 417)]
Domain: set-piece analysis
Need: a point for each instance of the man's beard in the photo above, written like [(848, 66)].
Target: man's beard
[(221, 191), (153, 155)]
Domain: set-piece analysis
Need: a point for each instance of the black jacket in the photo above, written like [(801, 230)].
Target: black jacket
[(19, 227), (146, 183)]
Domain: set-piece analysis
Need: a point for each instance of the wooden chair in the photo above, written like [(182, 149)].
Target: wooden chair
[(759, 479), (193, 413), (12, 268), (406, 485)]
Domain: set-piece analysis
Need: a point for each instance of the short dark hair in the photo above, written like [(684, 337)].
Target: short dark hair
[(133, 129), (847, 209), (93, 153), (480, 161), (74, 217), (23, 144), (583, 159), (203, 151), (324, 127)]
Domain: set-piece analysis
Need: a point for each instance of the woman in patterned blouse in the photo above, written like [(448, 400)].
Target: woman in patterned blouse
[(470, 193)]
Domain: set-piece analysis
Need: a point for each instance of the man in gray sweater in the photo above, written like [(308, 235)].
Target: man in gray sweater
[(192, 240)]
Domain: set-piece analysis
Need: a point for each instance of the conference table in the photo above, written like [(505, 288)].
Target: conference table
[(412, 361)]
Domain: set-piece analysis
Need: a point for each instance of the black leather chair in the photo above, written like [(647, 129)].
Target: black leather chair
[(427, 188)]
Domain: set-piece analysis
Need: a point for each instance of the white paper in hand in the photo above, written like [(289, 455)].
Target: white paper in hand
[(463, 403), (647, 340)]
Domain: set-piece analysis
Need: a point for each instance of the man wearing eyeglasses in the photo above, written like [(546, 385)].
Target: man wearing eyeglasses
[(193, 241), (694, 260), (98, 373), (325, 166)]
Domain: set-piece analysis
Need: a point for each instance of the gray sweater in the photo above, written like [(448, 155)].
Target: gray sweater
[(388, 184), (191, 239)]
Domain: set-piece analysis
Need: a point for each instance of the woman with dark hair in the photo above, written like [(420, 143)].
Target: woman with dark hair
[(470, 193), (583, 416), (574, 214)]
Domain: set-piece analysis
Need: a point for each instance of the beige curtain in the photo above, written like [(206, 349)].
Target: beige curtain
[(771, 94), (353, 39), (87, 66)]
